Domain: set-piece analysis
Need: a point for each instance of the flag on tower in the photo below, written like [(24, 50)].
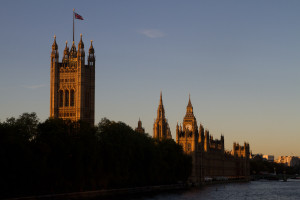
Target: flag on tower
[(77, 16)]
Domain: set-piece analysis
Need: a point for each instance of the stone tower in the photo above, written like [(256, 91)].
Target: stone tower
[(72, 83), (140, 129), (187, 134), (161, 129), (188, 137)]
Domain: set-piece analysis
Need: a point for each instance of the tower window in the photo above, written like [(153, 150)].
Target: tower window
[(72, 98), (67, 98), (61, 98)]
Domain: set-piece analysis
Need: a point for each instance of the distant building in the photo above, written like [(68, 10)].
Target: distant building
[(161, 129), (72, 83), (269, 158), (140, 129), (290, 161)]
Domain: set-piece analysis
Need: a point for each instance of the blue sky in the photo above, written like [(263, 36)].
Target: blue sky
[(239, 60)]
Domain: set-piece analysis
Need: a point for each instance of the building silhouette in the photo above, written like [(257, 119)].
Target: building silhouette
[(161, 129), (140, 129), (72, 83)]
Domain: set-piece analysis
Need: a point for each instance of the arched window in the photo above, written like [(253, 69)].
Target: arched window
[(61, 98), (72, 98), (67, 98)]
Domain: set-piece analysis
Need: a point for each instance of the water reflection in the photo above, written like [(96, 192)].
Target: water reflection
[(266, 190)]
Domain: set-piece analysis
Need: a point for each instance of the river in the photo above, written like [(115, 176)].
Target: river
[(266, 190)]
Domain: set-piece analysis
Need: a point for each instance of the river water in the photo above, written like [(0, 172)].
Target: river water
[(266, 190)]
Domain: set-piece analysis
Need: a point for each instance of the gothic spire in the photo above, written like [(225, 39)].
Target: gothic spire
[(66, 52), (189, 107), (160, 101), (91, 50), (80, 44), (54, 45), (189, 104)]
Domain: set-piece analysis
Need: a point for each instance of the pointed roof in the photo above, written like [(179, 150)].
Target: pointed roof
[(73, 51), (160, 109), (189, 103), (189, 109), (54, 45), (80, 44), (66, 53), (91, 50), (66, 48)]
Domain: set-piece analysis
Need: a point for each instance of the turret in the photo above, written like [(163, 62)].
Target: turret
[(91, 57), (222, 143), (54, 80), (73, 51), (54, 53), (140, 129), (234, 149), (201, 135), (206, 140), (66, 53), (247, 150), (81, 53)]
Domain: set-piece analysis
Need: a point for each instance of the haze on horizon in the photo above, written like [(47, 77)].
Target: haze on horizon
[(238, 60)]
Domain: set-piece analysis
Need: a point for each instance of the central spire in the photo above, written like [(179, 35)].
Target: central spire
[(160, 101), (189, 107), (189, 104)]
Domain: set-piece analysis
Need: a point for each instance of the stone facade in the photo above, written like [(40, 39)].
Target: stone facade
[(210, 160), (72, 83), (140, 129), (161, 129)]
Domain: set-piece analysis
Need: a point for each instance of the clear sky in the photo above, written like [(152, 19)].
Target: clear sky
[(239, 60)]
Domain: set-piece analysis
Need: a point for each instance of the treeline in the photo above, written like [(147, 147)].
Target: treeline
[(259, 166), (57, 156)]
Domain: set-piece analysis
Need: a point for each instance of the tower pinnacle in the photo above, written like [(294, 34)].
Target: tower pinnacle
[(80, 44), (189, 104), (91, 50)]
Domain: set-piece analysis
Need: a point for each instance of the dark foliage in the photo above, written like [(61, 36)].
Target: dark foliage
[(62, 156), (259, 166)]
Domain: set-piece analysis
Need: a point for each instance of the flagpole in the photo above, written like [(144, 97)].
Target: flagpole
[(73, 23)]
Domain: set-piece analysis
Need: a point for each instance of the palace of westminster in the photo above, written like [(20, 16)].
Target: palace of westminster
[(72, 96)]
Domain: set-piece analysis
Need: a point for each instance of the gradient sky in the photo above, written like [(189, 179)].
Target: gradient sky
[(239, 60)]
